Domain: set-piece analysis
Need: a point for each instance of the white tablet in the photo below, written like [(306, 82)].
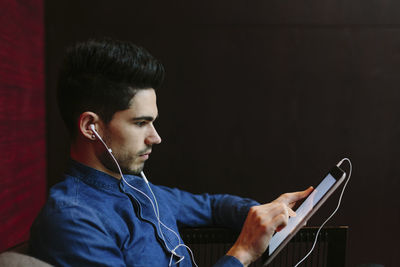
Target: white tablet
[(304, 212)]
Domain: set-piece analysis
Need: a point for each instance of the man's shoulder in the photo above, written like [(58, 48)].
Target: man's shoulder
[(72, 202), (65, 199), (74, 194)]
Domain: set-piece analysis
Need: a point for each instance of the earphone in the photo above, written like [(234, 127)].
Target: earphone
[(333, 213), (154, 205)]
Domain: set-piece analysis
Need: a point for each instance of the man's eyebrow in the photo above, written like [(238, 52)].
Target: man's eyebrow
[(145, 118)]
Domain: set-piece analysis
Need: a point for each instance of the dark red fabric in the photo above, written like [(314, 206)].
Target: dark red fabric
[(22, 118)]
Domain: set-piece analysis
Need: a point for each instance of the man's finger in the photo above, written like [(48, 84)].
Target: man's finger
[(291, 213), (270, 210), (291, 198), (279, 222)]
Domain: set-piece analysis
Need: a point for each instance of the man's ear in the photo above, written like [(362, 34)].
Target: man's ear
[(85, 120)]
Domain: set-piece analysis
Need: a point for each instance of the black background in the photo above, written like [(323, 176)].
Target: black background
[(262, 98)]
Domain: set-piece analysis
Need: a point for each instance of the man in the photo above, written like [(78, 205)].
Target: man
[(103, 213)]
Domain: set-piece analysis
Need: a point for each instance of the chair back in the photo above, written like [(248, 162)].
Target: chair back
[(210, 244)]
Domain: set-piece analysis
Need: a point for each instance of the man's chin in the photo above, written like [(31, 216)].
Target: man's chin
[(133, 171), (130, 169)]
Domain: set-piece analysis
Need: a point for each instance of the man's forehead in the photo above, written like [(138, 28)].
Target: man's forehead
[(144, 103)]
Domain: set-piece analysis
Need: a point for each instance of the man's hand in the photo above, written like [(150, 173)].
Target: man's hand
[(261, 223)]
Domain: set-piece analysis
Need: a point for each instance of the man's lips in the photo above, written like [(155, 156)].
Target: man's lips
[(145, 155)]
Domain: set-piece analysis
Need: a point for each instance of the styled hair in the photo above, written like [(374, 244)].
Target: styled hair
[(102, 76)]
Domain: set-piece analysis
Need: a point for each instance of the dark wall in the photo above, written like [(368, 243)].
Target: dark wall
[(261, 98)]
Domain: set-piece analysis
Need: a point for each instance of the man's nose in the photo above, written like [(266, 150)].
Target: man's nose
[(153, 138)]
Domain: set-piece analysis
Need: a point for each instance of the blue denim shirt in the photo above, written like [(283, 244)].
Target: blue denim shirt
[(93, 219)]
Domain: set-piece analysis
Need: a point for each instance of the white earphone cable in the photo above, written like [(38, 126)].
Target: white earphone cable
[(155, 208), (333, 213)]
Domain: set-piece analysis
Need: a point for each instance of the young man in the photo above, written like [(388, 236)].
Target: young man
[(103, 213)]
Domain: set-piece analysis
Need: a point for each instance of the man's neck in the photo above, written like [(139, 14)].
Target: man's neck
[(85, 154)]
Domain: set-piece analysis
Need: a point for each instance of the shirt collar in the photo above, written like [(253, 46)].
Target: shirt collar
[(97, 178)]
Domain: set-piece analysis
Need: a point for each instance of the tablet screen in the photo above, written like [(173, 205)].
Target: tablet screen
[(304, 209)]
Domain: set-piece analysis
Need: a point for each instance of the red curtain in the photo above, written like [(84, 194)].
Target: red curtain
[(22, 118)]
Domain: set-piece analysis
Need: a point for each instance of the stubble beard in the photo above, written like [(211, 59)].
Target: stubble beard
[(125, 164)]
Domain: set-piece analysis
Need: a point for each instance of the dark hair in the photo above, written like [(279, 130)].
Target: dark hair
[(102, 76)]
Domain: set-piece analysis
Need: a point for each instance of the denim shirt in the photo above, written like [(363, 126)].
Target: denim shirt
[(94, 219)]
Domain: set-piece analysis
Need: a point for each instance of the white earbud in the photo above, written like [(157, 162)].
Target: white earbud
[(94, 131), (98, 136), (93, 128)]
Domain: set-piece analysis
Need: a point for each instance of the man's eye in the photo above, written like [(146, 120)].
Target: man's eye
[(140, 123)]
